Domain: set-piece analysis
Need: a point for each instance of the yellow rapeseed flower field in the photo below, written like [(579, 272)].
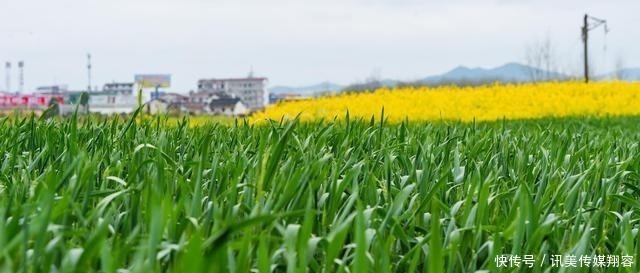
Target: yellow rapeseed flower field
[(483, 103)]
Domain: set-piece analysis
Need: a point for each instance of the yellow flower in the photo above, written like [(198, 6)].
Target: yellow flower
[(482, 103)]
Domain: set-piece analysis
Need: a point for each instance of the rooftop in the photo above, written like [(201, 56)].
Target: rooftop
[(175, 95), (118, 83), (224, 102), (234, 79), (205, 94)]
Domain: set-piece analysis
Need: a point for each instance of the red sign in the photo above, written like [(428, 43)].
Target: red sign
[(28, 100)]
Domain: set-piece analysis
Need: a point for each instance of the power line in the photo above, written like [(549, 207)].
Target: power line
[(590, 23)]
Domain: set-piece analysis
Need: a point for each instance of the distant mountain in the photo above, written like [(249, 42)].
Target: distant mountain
[(510, 72), (626, 74), (389, 83), (306, 90)]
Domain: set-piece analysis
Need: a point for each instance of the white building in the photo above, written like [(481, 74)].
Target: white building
[(251, 91), (115, 98), (219, 103), (53, 89), (118, 87), (174, 98), (157, 106), (169, 103), (112, 103)]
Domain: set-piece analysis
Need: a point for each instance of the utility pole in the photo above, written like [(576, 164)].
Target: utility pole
[(89, 72), (7, 66), (21, 77), (586, 27), (585, 39)]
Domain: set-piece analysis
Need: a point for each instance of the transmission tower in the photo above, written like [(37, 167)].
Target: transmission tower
[(589, 24)]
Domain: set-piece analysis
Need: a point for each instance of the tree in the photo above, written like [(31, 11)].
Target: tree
[(52, 111), (540, 56), (84, 102), (371, 83), (619, 72)]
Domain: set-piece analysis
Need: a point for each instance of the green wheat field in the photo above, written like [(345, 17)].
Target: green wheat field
[(119, 195)]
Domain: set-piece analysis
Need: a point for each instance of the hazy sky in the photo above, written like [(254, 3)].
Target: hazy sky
[(297, 42)]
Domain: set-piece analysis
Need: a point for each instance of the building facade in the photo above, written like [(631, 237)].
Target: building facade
[(251, 90), (228, 107), (115, 98), (125, 88), (53, 89), (112, 103)]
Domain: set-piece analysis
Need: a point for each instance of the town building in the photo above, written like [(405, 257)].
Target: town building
[(115, 98), (53, 89), (157, 106), (251, 90), (204, 98), (173, 98), (170, 103), (125, 88), (72, 101), (36, 103), (112, 103), (228, 107), (275, 98), (188, 108), (218, 103)]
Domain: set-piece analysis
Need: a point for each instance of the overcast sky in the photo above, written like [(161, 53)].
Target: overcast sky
[(297, 42)]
